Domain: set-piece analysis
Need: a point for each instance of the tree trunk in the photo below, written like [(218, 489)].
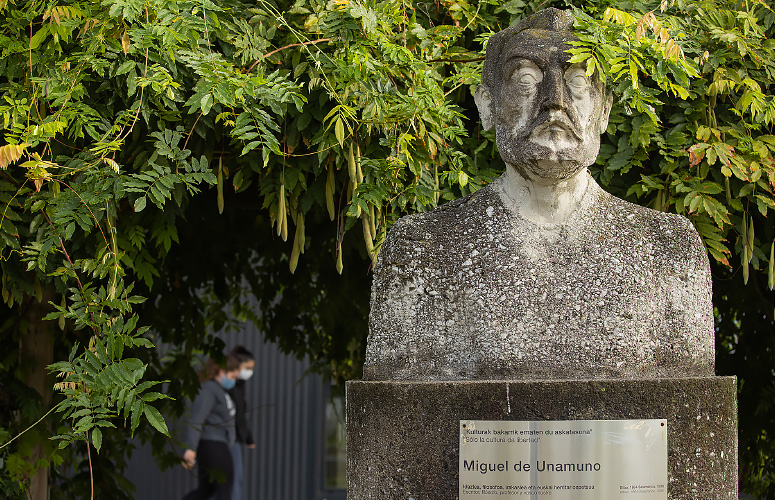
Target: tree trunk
[(37, 345)]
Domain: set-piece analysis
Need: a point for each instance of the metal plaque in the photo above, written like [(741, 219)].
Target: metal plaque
[(572, 459)]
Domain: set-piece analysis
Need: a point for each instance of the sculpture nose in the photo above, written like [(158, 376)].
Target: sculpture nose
[(555, 92)]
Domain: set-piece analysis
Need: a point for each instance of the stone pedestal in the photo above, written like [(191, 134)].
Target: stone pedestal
[(403, 438)]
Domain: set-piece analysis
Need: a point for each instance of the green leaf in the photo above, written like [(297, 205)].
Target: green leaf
[(140, 204), (339, 131), (633, 74), (156, 420), (766, 200), (96, 438), (38, 37), (153, 396), (206, 103), (761, 205), (137, 411), (590, 66), (125, 67), (746, 190), (142, 342)]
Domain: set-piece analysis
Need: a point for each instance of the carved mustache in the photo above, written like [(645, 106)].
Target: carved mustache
[(545, 121)]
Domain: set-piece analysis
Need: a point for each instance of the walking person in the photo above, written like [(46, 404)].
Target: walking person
[(212, 432), (247, 364)]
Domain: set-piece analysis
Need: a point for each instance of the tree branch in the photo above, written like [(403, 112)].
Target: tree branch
[(72, 266), (475, 59), (310, 42)]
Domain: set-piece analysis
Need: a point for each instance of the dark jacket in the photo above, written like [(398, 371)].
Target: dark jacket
[(212, 416), (237, 393)]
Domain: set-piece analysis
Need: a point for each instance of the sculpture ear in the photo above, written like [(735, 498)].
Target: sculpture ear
[(484, 105), (607, 104)]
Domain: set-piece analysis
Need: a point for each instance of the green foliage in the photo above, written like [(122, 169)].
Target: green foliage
[(696, 81), (122, 122), (102, 385), (692, 132)]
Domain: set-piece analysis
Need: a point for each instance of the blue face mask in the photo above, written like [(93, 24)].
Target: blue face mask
[(226, 382)]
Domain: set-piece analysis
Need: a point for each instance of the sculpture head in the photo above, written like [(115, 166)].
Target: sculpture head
[(547, 114)]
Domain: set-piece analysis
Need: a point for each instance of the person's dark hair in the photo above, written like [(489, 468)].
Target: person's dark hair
[(242, 354), (550, 19), (211, 368)]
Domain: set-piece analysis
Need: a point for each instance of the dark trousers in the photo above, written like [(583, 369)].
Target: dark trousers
[(215, 472)]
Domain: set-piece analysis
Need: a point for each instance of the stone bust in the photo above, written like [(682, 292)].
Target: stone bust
[(541, 274)]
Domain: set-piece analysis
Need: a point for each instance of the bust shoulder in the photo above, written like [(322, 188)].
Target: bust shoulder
[(475, 272), (412, 235), (664, 232)]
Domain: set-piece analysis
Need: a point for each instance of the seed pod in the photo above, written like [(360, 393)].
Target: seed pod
[(339, 265), (61, 321), (300, 230), (294, 260), (750, 238), (373, 223), (284, 231), (220, 185), (367, 235), (437, 190), (281, 210), (330, 188), (771, 268), (728, 191), (7, 297), (350, 189), (357, 159), (744, 248), (351, 168)]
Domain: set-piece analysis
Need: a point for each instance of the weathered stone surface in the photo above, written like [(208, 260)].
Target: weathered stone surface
[(403, 440), (541, 274), (473, 291)]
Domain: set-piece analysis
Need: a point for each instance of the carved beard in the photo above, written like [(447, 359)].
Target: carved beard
[(552, 146)]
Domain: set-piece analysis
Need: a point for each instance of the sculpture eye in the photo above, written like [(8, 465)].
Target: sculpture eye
[(527, 77), (577, 81)]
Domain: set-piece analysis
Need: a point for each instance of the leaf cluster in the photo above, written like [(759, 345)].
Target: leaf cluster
[(691, 129)]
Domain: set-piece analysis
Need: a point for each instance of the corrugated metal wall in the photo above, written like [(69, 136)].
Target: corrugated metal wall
[(287, 420)]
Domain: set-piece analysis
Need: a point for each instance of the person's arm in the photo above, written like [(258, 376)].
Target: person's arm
[(200, 409), (249, 438), (240, 419)]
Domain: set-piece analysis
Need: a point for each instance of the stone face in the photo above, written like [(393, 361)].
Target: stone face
[(473, 291), (548, 115), (403, 437)]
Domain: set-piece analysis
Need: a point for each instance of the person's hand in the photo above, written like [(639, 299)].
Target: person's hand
[(251, 446), (189, 459)]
